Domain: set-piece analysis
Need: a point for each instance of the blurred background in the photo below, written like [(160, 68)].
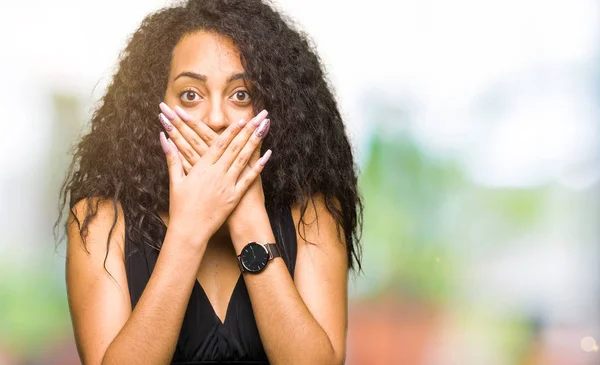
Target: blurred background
[(475, 126)]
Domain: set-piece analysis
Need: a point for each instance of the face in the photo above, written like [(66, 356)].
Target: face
[(206, 79)]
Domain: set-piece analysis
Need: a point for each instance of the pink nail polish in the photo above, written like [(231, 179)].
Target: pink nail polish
[(163, 143), (242, 123), (263, 128), (173, 145), (259, 118), (182, 113), (263, 160), (165, 122), (168, 112)]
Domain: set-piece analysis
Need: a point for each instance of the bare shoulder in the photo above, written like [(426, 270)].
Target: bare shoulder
[(98, 228), (96, 278), (321, 241), (315, 218)]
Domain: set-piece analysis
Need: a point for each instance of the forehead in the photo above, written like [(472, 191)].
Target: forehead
[(206, 53)]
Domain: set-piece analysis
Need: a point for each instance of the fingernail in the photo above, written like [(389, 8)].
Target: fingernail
[(263, 128), (259, 118), (242, 122), (263, 160), (169, 113), (182, 113), (165, 122), (163, 142), (173, 145)]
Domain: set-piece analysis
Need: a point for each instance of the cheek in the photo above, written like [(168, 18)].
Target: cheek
[(235, 114)]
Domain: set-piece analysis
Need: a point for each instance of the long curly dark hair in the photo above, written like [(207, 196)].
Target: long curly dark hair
[(120, 159)]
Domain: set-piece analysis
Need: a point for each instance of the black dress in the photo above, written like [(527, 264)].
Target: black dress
[(203, 338)]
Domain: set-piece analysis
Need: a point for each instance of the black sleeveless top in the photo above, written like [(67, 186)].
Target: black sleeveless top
[(203, 338)]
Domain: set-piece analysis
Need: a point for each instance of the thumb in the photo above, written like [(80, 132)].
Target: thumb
[(175, 166)]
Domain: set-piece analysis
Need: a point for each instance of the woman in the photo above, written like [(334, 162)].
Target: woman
[(254, 251)]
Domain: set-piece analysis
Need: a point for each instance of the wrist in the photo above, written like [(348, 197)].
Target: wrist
[(186, 237), (185, 253), (256, 228)]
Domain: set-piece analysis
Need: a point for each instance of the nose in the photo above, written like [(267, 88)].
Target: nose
[(217, 119)]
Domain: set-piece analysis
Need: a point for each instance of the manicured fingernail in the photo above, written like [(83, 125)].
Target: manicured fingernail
[(263, 128), (169, 113), (163, 143), (263, 160), (173, 145), (182, 113), (242, 122), (259, 118), (165, 122)]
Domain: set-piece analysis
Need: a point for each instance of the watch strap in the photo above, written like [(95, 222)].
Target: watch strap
[(273, 249)]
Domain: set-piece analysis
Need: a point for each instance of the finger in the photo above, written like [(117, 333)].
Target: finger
[(242, 159), (222, 142), (248, 178), (203, 131), (173, 160), (186, 165), (183, 132), (242, 139), (253, 159), (255, 156), (182, 144)]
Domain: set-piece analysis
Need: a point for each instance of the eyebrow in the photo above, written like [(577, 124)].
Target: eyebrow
[(203, 78)]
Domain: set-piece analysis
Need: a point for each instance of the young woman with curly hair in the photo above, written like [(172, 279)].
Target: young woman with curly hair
[(195, 249)]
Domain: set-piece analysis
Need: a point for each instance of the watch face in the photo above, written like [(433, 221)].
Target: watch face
[(254, 257)]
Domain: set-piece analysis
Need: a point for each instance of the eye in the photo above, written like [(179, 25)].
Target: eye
[(189, 96), (241, 96)]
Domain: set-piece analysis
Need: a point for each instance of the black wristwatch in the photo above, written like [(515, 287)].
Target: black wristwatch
[(255, 256)]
